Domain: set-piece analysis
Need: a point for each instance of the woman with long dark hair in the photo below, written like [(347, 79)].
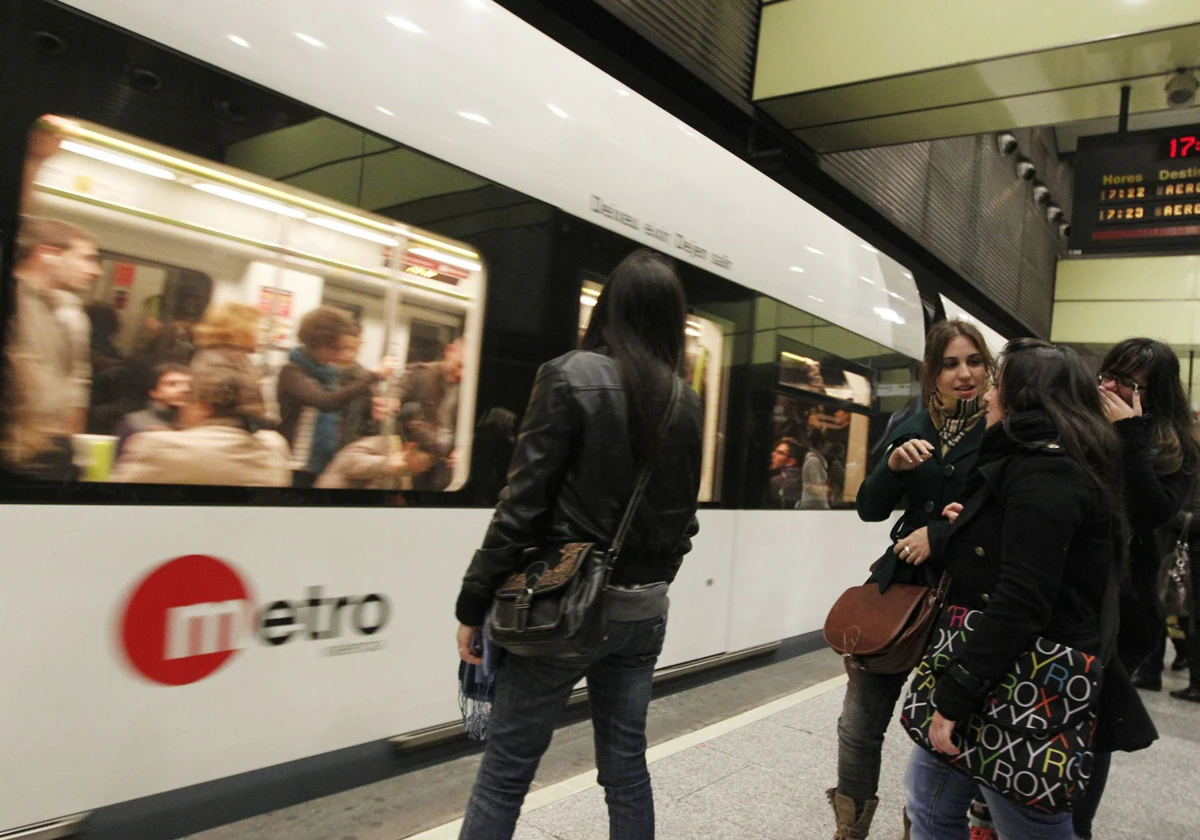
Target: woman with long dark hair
[(592, 423), (927, 460), (1033, 553), (1143, 397)]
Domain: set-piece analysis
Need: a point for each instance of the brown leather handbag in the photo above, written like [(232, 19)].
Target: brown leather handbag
[(884, 632)]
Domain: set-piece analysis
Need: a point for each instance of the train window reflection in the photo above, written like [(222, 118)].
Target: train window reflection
[(819, 457), (824, 377), (179, 321)]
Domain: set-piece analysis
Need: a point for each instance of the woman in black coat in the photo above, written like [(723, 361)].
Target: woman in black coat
[(1185, 527), (1033, 551), (926, 462), (1144, 399)]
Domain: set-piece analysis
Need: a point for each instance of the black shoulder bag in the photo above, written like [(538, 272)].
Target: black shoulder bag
[(555, 607)]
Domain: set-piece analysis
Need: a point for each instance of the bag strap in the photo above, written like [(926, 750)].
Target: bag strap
[(639, 489), (1182, 542)]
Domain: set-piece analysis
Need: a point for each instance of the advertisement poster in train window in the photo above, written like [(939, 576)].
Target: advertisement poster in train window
[(139, 264)]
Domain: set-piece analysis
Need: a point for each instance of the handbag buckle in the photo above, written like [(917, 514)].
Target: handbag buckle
[(521, 604)]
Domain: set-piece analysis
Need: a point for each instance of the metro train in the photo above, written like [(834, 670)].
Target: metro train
[(438, 172)]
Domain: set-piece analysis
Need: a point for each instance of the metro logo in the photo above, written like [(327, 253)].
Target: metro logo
[(221, 627), (190, 616), (186, 619)]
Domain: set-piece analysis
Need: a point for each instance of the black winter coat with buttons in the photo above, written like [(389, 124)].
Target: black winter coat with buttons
[(1033, 549), (925, 490), (572, 475), (1151, 501)]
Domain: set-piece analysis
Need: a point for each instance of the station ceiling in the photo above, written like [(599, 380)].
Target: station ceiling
[(861, 74)]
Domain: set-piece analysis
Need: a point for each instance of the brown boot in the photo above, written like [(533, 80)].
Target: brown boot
[(852, 823)]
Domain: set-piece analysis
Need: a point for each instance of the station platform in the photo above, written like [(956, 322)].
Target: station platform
[(746, 756)]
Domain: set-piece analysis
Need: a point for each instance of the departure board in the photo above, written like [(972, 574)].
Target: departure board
[(1137, 192)]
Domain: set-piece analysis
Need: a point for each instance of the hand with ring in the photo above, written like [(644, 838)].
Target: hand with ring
[(914, 549)]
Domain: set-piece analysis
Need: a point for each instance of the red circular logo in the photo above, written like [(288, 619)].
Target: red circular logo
[(186, 619)]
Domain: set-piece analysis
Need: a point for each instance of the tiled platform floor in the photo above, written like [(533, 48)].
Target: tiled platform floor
[(763, 780), (766, 780)]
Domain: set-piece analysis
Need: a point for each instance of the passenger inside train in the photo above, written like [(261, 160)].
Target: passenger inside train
[(323, 323)]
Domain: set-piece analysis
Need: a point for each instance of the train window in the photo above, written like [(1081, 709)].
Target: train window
[(823, 377), (706, 361), (180, 321), (819, 459)]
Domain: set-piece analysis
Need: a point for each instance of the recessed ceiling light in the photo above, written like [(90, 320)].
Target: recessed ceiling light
[(240, 41), (117, 160), (406, 25), (383, 110), (252, 200), (467, 115), (353, 230), (797, 269), (623, 92), (866, 280), (310, 40), (445, 258), (814, 250), (558, 112)]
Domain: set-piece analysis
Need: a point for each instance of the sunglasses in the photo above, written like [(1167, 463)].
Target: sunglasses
[(1129, 384)]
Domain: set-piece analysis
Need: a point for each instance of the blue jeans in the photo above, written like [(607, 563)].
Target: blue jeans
[(531, 693), (938, 797)]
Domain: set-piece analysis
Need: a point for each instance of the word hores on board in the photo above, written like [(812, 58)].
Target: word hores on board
[(676, 240)]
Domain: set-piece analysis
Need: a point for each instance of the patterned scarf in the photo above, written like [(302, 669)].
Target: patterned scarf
[(324, 434), (953, 422), (477, 689)]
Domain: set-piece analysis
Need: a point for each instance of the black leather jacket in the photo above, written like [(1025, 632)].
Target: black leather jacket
[(572, 475)]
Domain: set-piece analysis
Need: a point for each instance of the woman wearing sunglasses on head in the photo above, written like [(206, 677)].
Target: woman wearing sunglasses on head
[(1143, 398)]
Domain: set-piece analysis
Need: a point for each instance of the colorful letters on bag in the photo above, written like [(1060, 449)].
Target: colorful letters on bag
[(1031, 739)]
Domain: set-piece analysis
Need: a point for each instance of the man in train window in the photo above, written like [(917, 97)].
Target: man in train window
[(429, 413), (172, 387), (43, 401), (786, 485), (81, 268)]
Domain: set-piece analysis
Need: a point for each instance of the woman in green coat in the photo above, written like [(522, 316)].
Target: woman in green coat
[(924, 466)]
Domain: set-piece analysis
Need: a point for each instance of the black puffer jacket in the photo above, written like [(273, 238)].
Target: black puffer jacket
[(572, 475)]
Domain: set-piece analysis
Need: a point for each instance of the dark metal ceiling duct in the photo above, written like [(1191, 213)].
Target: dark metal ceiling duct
[(714, 37)]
